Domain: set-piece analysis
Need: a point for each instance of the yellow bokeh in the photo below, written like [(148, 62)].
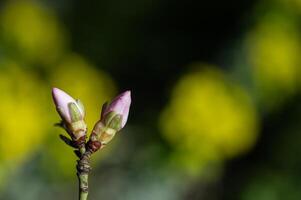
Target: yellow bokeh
[(22, 103), (273, 50), (32, 32), (208, 119)]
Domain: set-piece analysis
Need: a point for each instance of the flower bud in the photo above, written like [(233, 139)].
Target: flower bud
[(113, 118), (72, 113), (119, 108)]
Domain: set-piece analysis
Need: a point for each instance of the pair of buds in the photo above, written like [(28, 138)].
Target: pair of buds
[(113, 118)]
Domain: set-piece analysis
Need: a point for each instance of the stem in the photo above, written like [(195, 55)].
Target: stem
[(83, 186), (83, 169)]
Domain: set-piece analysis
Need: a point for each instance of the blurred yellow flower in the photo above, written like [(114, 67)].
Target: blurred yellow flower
[(22, 105), (93, 87), (274, 48), (208, 120), (32, 31)]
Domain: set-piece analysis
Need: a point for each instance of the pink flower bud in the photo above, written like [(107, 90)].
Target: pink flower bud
[(120, 105), (113, 118), (63, 105)]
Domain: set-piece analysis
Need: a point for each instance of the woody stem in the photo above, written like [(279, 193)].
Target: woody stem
[(83, 169)]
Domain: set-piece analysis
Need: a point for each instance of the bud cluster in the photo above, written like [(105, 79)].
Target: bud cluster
[(72, 112)]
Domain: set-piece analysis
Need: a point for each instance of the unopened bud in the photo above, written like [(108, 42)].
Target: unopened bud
[(113, 118), (120, 107), (72, 113)]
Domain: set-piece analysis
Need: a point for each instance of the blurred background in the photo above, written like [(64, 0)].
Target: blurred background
[(216, 97)]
